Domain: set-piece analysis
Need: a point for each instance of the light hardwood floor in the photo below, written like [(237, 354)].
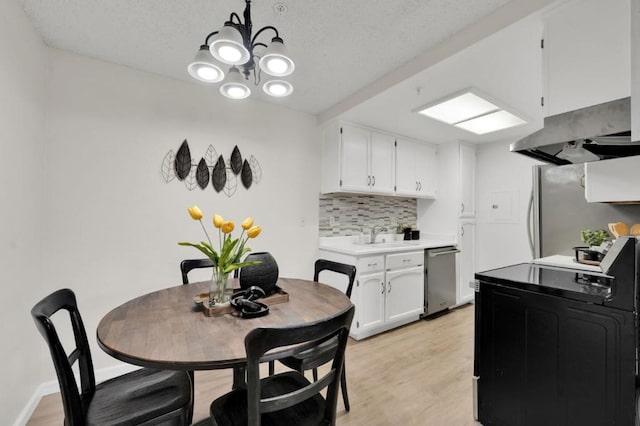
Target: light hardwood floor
[(419, 374)]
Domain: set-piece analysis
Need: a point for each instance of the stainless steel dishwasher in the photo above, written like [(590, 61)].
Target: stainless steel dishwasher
[(439, 279)]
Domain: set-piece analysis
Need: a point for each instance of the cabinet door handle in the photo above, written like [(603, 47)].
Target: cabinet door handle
[(461, 207), (416, 185), (420, 183), (382, 284), (389, 291), (374, 181), (368, 180), (462, 231), (372, 264)]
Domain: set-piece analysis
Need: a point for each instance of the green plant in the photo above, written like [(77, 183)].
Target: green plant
[(594, 238)]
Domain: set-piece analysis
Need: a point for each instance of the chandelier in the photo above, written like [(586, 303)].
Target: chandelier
[(234, 45)]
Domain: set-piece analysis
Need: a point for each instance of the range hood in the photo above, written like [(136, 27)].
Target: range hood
[(598, 132)]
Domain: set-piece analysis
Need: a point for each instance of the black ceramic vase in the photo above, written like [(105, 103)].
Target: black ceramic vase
[(263, 275)]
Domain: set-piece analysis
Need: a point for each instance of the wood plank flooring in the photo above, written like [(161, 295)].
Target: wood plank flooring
[(419, 374)]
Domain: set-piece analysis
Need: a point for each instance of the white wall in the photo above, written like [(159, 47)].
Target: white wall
[(22, 217), (84, 203), (115, 224), (503, 179)]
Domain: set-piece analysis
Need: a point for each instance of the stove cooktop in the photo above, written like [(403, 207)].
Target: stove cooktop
[(570, 283)]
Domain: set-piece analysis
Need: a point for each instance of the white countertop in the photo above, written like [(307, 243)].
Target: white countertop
[(348, 245), (565, 262)]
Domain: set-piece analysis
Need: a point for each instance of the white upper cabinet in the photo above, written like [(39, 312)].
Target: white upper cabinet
[(354, 169), (467, 170), (382, 163), (613, 181), (416, 169), (357, 159), (587, 54)]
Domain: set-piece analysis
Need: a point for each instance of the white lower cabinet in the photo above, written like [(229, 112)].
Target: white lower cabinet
[(388, 291), (400, 284), (369, 297)]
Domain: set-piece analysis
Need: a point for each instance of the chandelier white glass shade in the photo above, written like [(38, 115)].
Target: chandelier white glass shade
[(277, 88), (235, 45), (203, 67), (234, 86), (228, 46), (275, 60)]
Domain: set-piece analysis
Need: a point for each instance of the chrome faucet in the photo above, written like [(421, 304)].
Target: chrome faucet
[(375, 230)]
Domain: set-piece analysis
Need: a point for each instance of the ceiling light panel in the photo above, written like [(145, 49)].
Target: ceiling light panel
[(492, 122), (460, 108)]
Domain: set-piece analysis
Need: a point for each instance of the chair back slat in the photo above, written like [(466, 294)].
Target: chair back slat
[(290, 399), (261, 340), (339, 268), (72, 399), (188, 265)]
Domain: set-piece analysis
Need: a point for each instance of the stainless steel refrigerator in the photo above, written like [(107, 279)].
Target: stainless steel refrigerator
[(558, 210)]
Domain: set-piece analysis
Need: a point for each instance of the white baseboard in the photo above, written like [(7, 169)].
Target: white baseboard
[(48, 388)]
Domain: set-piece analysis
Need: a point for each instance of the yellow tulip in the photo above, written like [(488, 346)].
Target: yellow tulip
[(218, 221), (195, 212), (248, 223), (227, 227), (254, 231)]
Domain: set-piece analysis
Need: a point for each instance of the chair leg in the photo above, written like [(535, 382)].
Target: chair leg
[(193, 396), (345, 396), (315, 374), (272, 368)]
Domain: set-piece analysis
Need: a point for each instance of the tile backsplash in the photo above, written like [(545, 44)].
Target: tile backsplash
[(347, 214)]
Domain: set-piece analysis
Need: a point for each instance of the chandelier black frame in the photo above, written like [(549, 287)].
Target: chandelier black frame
[(234, 45)]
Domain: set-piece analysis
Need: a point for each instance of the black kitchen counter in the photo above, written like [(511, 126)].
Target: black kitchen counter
[(568, 283)]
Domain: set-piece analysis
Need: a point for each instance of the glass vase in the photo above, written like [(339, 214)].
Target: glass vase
[(218, 293)]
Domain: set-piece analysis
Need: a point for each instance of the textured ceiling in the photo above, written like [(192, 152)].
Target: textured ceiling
[(339, 46)]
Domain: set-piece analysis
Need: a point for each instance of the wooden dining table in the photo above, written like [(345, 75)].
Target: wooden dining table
[(166, 330)]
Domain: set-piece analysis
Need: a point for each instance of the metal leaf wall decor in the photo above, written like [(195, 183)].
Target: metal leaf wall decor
[(219, 175), (183, 161), (190, 181), (224, 175), (202, 174), (167, 170), (247, 175), (236, 160), (231, 184)]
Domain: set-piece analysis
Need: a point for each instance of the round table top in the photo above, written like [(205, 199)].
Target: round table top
[(166, 330)]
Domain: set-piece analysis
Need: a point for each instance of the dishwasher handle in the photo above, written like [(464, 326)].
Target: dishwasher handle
[(440, 253)]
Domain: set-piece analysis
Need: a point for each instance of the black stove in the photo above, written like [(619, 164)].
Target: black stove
[(556, 345)]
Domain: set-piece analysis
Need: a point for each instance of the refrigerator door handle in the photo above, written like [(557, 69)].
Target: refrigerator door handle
[(529, 220)]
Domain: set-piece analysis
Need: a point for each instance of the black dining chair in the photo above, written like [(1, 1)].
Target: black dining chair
[(312, 359), (144, 396), (287, 398), (188, 265)]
